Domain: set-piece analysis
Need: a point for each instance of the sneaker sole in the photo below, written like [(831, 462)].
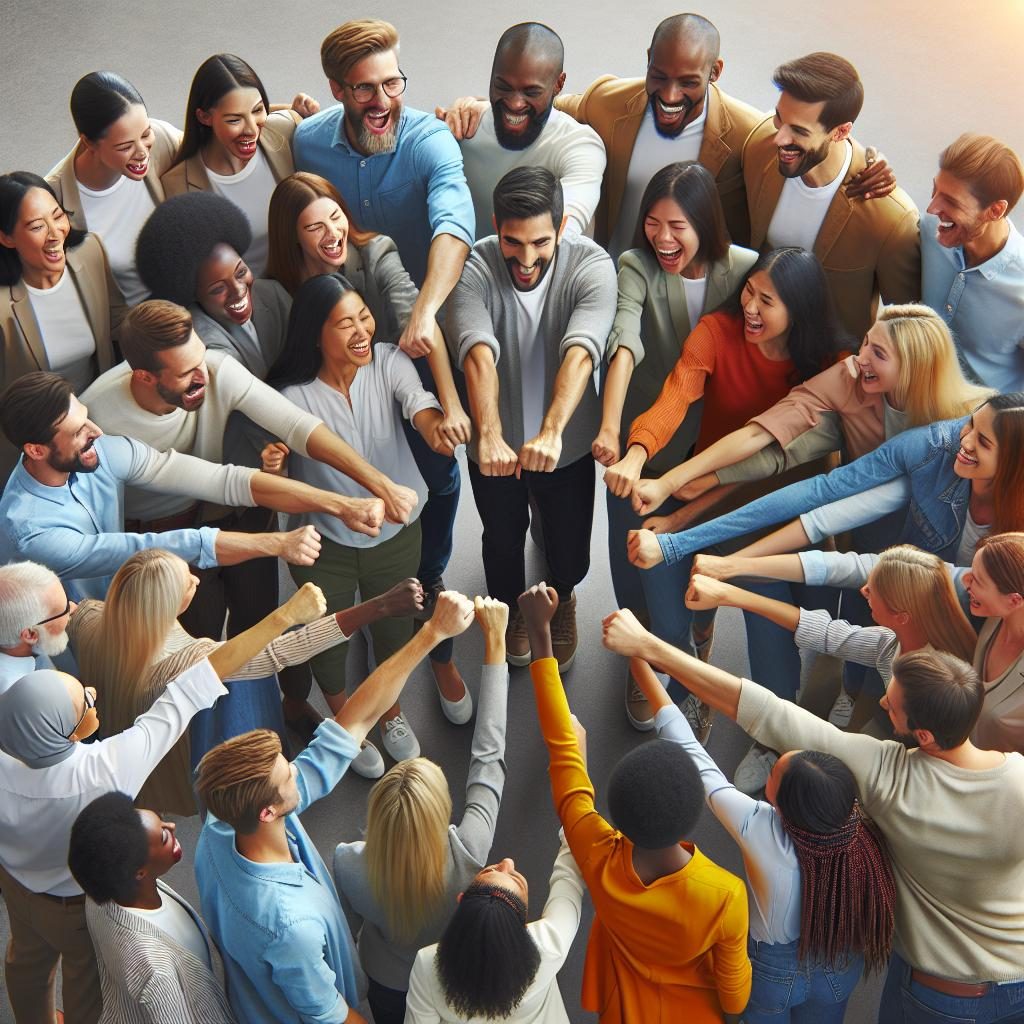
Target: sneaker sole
[(564, 666), (637, 724), (519, 660)]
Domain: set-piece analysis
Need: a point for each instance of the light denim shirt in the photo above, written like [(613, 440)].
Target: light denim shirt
[(413, 194), (288, 953), (983, 305)]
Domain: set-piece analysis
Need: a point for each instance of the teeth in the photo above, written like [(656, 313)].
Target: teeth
[(239, 306), (945, 224), (515, 119), (669, 253), (670, 110)]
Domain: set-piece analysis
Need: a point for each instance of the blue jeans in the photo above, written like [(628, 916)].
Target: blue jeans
[(905, 1001), (787, 990)]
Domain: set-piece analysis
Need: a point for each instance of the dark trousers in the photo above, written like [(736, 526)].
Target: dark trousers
[(565, 500), (387, 1004)]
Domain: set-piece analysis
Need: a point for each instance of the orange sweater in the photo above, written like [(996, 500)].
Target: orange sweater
[(674, 950), (736, 380)]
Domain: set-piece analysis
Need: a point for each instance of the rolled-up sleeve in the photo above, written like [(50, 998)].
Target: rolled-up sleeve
[(593, 308), (449, 203), (629, 308), (470, 321)]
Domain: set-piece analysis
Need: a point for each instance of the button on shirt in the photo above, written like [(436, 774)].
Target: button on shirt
[(983, 305), (412, 194)]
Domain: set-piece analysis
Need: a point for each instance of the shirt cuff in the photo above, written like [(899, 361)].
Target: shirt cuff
[(813, 563), (208, 546)]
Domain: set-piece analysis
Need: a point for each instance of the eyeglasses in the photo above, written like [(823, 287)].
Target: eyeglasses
[(90, 702), (363, 92), (59, 615)]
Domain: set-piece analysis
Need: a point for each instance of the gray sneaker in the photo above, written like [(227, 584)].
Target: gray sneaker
[(399, 740), (699, 715), (639, 712)]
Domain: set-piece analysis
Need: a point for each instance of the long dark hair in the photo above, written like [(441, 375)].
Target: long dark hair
[(300, 359), (214, 79), (814, 333), (13, 187), (848, 896), (98, 100), (1008, 483)]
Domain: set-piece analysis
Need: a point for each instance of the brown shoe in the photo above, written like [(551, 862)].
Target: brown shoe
[(563, 634), (517, 640), (639, 712)]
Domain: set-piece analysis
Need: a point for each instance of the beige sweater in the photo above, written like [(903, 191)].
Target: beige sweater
[(1001, 723)]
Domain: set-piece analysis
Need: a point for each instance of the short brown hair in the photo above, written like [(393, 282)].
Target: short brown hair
[(350, 43), (941, 693), (823, 78), (1003, 558), (988, 167), (233, 779), (149, 328), (32, 407)]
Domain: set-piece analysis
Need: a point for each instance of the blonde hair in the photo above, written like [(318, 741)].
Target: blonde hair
[(931, 385), (140, 610), (348, 44), (233, 779), (917, 582), (406, 850)]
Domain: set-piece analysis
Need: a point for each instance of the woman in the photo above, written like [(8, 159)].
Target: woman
[(330, 368), (131, 645), (235, 144), (399, 888), (490, 964), (822, 896), (59, 305), (110, 181)]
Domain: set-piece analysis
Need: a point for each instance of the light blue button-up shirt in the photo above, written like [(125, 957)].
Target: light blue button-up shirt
[(983, 305), (288, 952), (413, 194)]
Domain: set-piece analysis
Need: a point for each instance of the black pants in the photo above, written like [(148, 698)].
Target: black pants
[(565, 500), (387, 1004)]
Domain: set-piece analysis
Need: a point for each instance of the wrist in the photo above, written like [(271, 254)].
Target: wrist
[(282, 619), (494, 649), (490, 432)]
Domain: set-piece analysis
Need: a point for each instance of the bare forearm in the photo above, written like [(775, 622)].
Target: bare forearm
[(769, 567), (233, 548), (441, 368), (285, 495), (234, 653), (719, 689), (725, 451), (482, 390), (649, 684), (616, 383), (570, 382), (325, 446), (785, 615), (790, 537), (353, 619), (444, 267)]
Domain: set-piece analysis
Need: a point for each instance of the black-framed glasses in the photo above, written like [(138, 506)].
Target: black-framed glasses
[(53, 618), (363, 92), (90, 703)]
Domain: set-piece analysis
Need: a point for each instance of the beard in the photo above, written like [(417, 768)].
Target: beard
[(545, 266), (519, 140), (74, 464), (810, 159), (177, 398), (372, 143), (51, 645), (672, 133)]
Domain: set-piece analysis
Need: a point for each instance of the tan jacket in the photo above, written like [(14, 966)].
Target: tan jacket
[(63, 181), (275, 143), (614, 108), (866, 247)]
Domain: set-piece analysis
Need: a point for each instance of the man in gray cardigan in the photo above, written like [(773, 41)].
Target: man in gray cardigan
[(527, 326)]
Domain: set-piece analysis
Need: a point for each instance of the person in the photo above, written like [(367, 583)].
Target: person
[(34, 616), (236, 144), (110, 181), (518, 126), (527, 325), (821, 889), (398, 895), (647, 958), (489, 963), (972, 256), (155, 958), (48, 775), (941, 808), (59, 306), (266, 894), (331, 369), (129, 645), (62, 505), (796, 168)]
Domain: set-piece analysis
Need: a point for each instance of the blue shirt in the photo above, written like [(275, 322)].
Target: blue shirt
[(288, 953), (413, 194), (76, 529), (983, 305)]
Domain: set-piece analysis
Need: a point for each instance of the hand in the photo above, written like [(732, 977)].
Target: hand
[(452, 615), (305, 105), (307, 604), (622, 477), (649, 495), (622, 634), (399, 501), (876, 180), (538, 605), (705, 593), (492, 615), (299, 547), (418, 337), (362, 515), (541, 454), (275, 457), (402, 600), (494, 456), (713, 566), (643, 549), (605, 448), (581, 736), (463, 116), (454, 429), (674, 521), (695, 488)]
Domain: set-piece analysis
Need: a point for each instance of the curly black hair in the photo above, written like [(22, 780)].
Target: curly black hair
[(108, 847)]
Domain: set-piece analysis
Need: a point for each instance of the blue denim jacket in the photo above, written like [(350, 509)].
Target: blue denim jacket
[(923, 457)]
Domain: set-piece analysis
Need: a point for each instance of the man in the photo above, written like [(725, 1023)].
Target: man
[(797, 165), (943, 809), (63, 504), (34, 613), (267, 895), (519, 127), (972, 257), (527, 326)]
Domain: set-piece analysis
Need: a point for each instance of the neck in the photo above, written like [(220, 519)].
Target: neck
[(339, 377), (1012, 633), (91, 173), (45, 474), (985, 245), (149, 399), (910, 637), (221, 160), (22, 650), (147, 896), (352, 140), (981, 501), (693, 271), (267, 845), (651, 865), (42, 279), (776, 348), (967, 755), (827, 170)]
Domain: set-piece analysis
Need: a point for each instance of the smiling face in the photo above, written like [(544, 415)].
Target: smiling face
[(347, 335), (52, 636), (986, 599), (962, 219), (678, 73), (765, 318), (878, 362), (522, 93), (504, 876), (72, 447), (164, 849), (183, 377), (978, 456), (224, 286), (38, 236), (322, 230), (126, 144), (671, 236), (235, 123), (528, 247), (800, 138), (371, 126)]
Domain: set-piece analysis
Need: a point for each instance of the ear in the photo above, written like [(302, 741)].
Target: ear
[(716, 70), (559, 83), (997, 210), (337, 90), (561, 227), (85, 143), (203, 117), (29, 635), (925, 738), (1015, 599), (903, 618), (268, 814), (7, 241), (842, 132), (36, 452)]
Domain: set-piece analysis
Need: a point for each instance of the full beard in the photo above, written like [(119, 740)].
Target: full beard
[(372, 143), (519, 140), (672, 133)]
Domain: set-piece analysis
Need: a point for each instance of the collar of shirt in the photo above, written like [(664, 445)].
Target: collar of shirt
[(294, 872), (1011, 252), (27, 482), (341, 138)]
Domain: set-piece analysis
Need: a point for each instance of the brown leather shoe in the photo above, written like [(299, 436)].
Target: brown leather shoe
[(639, 712), (563, 634), (517, 640)]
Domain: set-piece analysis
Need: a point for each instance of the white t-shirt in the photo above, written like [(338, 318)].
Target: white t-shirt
[(651, 152), (117, 214), (695, 290), (250, 190), (171, 917), (801, 209), (532, 353), (67, 336), (973, 532)]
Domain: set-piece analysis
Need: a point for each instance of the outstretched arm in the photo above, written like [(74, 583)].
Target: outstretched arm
[(705, 593)]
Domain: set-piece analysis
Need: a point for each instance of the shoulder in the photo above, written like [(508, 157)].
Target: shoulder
[(375, 249), (271, 292), (108, 385), (55, 176), (721, 327), (325, 122), (421, 129), (564, 132), (280, 126), (613, 91), (174, 179), (640, 261), (740, 113), (584, 254), (738, 260), (760, 141)]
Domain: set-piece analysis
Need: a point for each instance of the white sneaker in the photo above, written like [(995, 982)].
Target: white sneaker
[(753, 771), (698, 714), (842, 710), (368, 763), (458, 712), (400, 741)]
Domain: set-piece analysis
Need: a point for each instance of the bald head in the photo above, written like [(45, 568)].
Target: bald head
[(531, 40), (691, 31)]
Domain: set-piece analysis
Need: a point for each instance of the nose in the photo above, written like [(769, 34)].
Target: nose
[(750, 306), (934, 208), (252, 124), (783, 137), (72, 607), (671, 93), (508, 865)]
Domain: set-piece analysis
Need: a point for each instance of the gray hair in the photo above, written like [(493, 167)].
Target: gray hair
[(21, 598)]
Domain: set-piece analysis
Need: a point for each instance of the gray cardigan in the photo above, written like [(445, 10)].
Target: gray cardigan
[(578, 310), (376, 271)]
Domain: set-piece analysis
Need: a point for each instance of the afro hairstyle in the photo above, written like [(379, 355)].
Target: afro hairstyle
[(179, 235), (108, 847)]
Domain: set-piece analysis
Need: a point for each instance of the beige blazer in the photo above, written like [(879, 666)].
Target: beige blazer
[(614, 108), (275, 143), (63, 181), (867, 248)]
